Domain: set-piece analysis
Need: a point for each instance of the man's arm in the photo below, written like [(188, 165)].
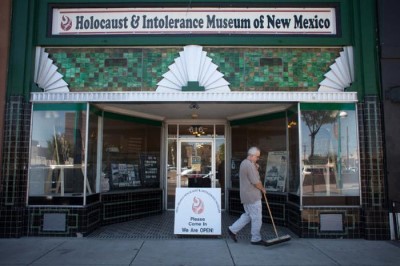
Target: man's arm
[(260, 186)]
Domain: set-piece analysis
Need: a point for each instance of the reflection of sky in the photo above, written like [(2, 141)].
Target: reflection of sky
[(326, 141), (44, 124)]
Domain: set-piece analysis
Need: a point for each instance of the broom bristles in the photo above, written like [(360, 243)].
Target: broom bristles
[(277, 240)]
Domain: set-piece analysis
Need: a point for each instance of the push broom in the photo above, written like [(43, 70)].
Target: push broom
[(278, 239)]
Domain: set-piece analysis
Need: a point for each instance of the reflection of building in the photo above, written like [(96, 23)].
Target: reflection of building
[(132, 100)]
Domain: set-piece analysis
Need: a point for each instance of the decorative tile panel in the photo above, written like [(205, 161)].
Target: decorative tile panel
[(246, 69), (14, 176), (374, 200)]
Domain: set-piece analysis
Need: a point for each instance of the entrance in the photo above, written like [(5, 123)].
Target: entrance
[(195, 161), (195, 167)]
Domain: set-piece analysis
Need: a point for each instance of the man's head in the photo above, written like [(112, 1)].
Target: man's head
[(253, 154)]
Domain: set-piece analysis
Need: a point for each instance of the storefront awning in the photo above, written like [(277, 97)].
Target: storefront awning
[(316, 97)]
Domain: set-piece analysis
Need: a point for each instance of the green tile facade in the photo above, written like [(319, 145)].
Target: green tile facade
[(246, 69)]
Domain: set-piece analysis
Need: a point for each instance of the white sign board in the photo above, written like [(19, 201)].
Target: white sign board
[(197, 211), (211, 20)]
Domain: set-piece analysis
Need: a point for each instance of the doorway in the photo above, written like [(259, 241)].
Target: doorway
[(195, 167), (195, 161)]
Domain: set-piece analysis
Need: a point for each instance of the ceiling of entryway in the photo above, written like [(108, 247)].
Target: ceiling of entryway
[(187, 110)]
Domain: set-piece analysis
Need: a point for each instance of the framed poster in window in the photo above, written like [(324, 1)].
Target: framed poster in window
[(276, 171), (125, 175), (149, 170)]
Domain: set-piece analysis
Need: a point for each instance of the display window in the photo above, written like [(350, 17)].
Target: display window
[(57, 156), (330, 162), (78, 150), (130, 153), (313, 157), (268, 133)]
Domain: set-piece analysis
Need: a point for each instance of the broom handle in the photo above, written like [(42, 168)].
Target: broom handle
[(270, 214)]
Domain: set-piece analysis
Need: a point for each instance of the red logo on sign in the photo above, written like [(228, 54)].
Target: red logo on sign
[(66, 23), (197, 206)]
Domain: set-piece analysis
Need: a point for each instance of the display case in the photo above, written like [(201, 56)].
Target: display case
[(130, 171)]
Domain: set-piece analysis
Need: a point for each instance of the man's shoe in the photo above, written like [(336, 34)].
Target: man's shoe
[(232, 235), (259, 243)]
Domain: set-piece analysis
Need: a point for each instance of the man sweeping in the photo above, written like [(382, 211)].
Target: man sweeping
[(250, 196)]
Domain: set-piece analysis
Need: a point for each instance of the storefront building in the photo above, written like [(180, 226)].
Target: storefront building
[(111, 107), (390, 66)]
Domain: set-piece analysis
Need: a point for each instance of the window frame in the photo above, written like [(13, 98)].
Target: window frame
[(328, 200), (58, 200)]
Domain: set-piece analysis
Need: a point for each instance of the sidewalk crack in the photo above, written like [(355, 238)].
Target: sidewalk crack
[(137, 253), (320, 250)]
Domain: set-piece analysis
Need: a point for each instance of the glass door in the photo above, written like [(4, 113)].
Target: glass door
[(195, 166), (196, 163)]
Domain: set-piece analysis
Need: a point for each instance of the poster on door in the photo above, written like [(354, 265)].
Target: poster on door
[(197, 211), (196, 163)]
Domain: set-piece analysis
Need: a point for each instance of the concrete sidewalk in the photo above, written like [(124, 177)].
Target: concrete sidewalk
[(87, 251)]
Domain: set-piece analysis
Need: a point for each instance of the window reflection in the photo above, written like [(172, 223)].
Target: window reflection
[(330, 160), (57, 152)]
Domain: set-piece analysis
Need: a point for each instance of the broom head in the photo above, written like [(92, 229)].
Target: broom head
[(277, 240)]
